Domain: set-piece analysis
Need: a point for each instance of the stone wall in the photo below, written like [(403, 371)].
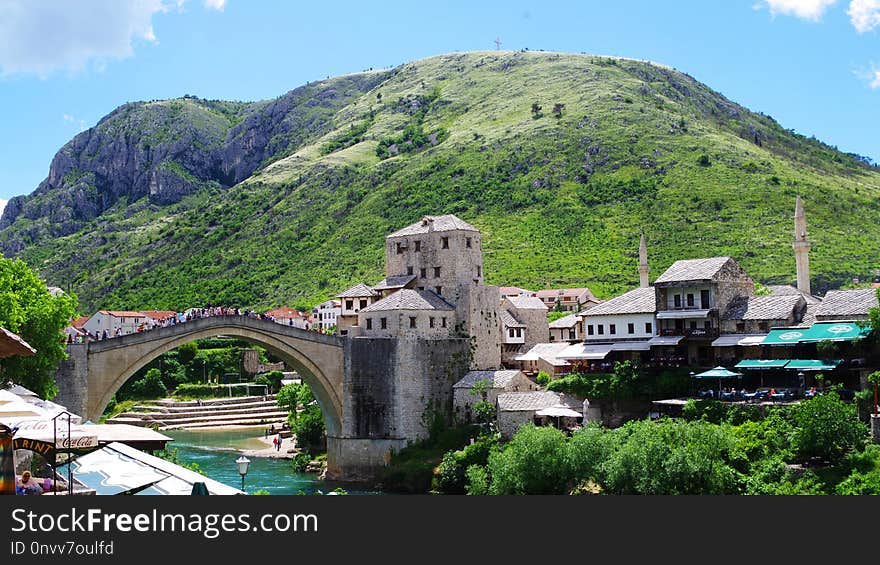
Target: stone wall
[(429, 324), (510, 422), (482, 304), (72, 378), (537, 327)]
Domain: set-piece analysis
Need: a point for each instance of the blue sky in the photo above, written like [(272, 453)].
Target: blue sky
[(814, 65)]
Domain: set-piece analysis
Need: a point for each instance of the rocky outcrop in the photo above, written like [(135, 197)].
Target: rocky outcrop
[(165, 150)]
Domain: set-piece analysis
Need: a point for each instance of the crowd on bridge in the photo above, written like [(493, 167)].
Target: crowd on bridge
[(160, 319)]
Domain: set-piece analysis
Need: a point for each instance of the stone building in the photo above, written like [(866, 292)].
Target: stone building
[(506, 380), (691, 296), (568, 328), (757, 314), (568, 299), (518, 408), (443, 255), (847, 304), (409, 313), (524, 325), (352, 301)]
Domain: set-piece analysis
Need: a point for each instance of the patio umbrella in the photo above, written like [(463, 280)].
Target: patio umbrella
[(559, 410), (717, 373), (11, 344)]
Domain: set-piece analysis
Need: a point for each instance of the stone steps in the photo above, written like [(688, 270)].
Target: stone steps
[(170, 414)]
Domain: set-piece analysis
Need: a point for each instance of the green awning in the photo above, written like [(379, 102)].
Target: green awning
[(836, 331), (785, 336), (717, 373), (762, 363), (812, 364)]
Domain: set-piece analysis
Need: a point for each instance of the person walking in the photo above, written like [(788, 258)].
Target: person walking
[(279, 442)]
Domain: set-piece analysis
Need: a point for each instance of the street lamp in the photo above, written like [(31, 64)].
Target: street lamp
[(242, 463), (803, 383)]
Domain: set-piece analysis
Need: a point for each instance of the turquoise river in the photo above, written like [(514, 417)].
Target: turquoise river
[(215, 452)]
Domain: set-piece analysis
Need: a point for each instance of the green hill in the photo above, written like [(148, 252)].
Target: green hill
[(561, 160)]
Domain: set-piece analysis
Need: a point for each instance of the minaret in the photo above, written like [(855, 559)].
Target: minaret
[(801, 247), (643, 263)]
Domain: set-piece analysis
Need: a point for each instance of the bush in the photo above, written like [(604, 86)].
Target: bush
[(704, 160), (300, 461), (196, 390), (149, 386), (669, 457), (827, 427), (543, 378), (309, 428), (707, 410), (534, 462), (477, 481), (450, 477)]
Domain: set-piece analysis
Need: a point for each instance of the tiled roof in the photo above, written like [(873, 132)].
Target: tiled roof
[(546, 351), (159, 314), (497, 379), (772, 307), (693, 270), (809, 317), (284, 312), (782, 289), (537, 400), (122, 313), (565, 322), (359, 290), (513, 291), (843, 303), (567, 293), (509, 321), (526, 302), (78, 323), (636, 301), (408, 299), (447, 222), (391, 283)]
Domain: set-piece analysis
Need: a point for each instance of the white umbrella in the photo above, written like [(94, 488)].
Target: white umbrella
[(558, 411)]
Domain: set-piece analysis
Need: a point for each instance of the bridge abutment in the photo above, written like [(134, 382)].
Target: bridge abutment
[(72, 379)]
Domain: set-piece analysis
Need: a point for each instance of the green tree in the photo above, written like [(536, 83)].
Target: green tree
[(827, 427), (534, 462), (149, 386), (29, 310), (484, 411)]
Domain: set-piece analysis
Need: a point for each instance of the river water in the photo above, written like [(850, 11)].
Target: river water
[(215, 451)]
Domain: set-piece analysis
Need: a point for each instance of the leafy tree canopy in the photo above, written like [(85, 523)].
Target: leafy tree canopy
[(29, 310)]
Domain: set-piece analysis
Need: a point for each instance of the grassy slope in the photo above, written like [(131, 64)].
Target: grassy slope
[(560, 201)]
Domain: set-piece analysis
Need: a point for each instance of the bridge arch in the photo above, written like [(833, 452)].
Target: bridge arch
[(317, 357)]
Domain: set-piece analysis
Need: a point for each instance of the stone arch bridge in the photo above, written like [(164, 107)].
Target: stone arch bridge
[(375, 393)]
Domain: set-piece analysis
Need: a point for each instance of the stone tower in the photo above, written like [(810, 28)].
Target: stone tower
[(801, 247), (643, 263)]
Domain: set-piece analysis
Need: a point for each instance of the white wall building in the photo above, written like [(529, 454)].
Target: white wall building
[(114, 322), (325, 314)]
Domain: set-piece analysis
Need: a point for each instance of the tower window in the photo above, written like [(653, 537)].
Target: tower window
[(399, 248), (648, 328), (444, 242), (438, 290), (467, 242), (349, 304), (412, 321), (612, 329), (601, 329), (631, 328), (479, 271), (677, 300), (409, 270), (436, 272), (443, 321), (369, 323), (418, 245), (423, 272), (431, 322), (590, 330), (383, 323), (363, 304)]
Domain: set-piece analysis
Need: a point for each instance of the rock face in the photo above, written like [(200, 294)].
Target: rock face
[(167, 149)]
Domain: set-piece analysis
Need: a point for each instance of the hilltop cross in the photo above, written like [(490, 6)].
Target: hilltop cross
[(497, 43)]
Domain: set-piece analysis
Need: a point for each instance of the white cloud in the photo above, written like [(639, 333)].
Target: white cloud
[(864, 14), (73, 120), (804, 9), (875, 81), (51, 35)]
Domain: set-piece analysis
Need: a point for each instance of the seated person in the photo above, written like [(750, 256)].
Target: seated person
[(28, 485)]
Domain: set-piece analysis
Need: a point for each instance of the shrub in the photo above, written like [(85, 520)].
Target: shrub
[(477, 480), (704, 160), (309, 428), (149, 386), (533, 462), (827, 427), (196, 390), (543, 378), (707, 410), (300, 461), (450, 476)]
